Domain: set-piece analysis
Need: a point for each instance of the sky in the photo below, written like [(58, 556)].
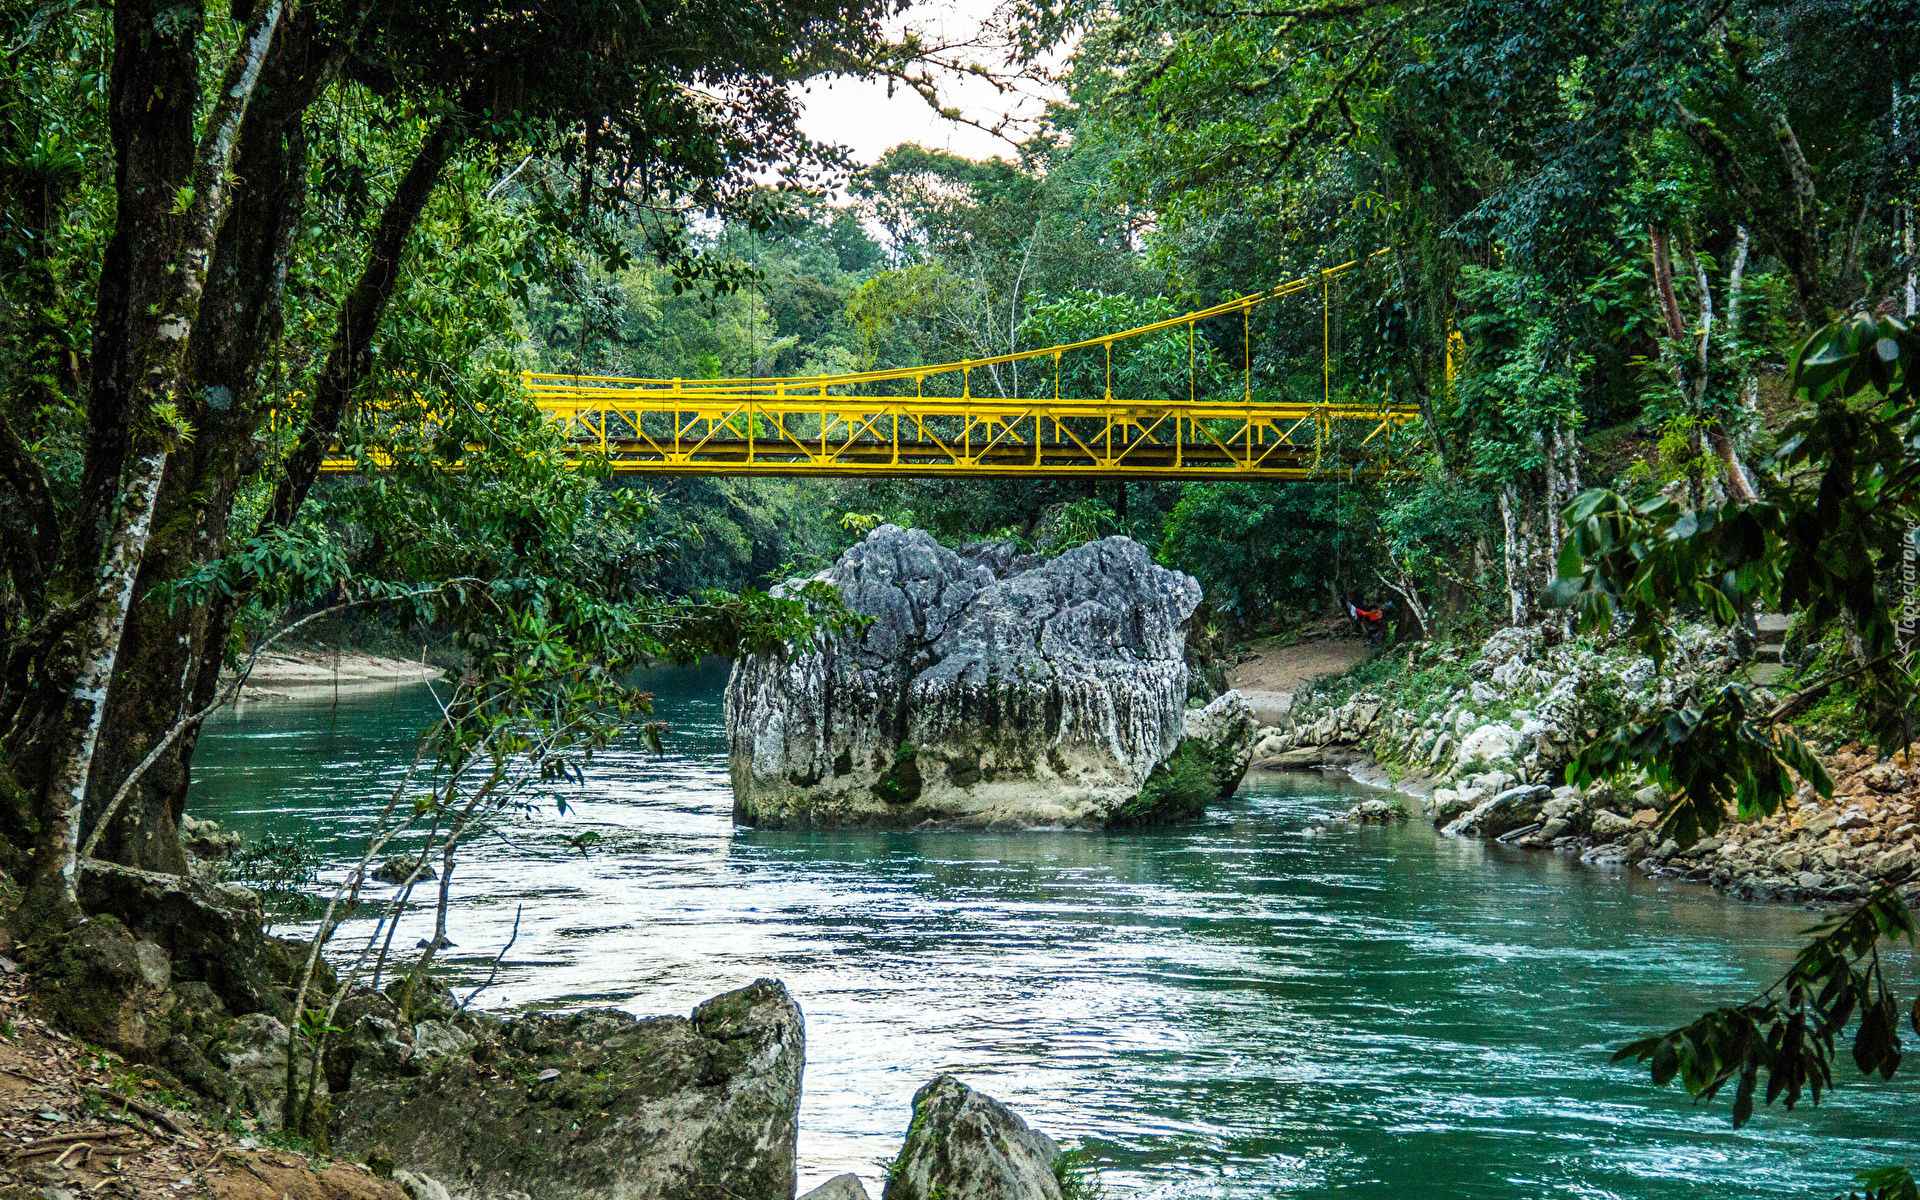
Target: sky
[(860, 115)]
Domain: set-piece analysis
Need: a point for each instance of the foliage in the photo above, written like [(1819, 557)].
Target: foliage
[(1075, 523), (1887, 1183), (282, 869), (1257, 546), (901, 783), (1077, 1173), (1179, 788), (1838, 508), (1788, 1032)]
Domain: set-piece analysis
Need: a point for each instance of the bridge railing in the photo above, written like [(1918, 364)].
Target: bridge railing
[(930, 420)]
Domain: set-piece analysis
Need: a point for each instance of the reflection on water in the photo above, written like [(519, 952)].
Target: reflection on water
[(1260, 1004)]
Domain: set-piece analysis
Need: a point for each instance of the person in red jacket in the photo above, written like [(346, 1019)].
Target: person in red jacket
[(1372, 621)]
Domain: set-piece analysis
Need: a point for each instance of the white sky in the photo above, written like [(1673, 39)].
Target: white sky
[(859, 114)]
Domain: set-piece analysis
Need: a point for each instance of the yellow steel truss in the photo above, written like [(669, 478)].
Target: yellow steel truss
[(693, 434), (865, 423)]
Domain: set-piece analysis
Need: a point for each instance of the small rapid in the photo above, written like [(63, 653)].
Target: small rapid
[(1267, 1002)]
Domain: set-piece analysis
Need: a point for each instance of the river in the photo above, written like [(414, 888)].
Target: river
[(1269, 1002)]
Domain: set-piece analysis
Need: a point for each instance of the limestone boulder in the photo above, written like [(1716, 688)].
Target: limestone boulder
[(254, 1054), (963, 1145), (1491, 743), (1227, 729), (596, 1105), (1607, 825), (1512, 809), (105, 985), (983, 693), (1376, 812)]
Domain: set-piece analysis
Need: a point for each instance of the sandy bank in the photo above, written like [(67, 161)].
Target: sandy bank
[(302, 674)]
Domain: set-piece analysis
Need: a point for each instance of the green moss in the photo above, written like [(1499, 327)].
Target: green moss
[(901, 784), (1179, 789)]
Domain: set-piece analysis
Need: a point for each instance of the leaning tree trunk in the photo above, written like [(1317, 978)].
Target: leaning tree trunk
[(350, 358)]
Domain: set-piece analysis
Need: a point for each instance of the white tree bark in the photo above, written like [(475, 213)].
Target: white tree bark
[(1516, 597), (1913, 276)]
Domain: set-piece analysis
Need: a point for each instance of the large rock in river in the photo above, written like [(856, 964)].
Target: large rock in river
[(963, 1145), (982, 693), (589, 1106)]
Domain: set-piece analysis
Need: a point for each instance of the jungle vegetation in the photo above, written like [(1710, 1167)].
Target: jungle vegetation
[(1645, 268)]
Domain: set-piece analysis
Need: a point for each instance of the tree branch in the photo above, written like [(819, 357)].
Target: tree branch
[(350, 358), (1786, 235), (192, 721)]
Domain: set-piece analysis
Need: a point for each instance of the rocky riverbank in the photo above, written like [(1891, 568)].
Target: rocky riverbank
[(1480, 741), (146, 1053), (990, 690)]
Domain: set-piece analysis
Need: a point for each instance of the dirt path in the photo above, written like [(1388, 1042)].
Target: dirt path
[(1285, 668), (76, 1122)]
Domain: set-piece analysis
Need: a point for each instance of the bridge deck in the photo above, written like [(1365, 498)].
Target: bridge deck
[(728, 434)]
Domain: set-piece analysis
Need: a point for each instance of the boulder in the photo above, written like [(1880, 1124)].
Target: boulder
[(1376, 812), (840, 1187), (1448, 803), (1500, 814), (1226, 729), (103, 984), (421, 1187), (1611, 824), (982, 694), (254, 1054), (205, 840), (1488, 743), (1893, 861), (1885, 777), (1288, 760), (598, 1105), (401, 867), (963, 1145)]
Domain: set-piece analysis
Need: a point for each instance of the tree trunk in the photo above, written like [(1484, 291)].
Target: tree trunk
[(172, 654), (1793, 237), (149, 298), (1913, 276), (1509, 520), (172, 649)]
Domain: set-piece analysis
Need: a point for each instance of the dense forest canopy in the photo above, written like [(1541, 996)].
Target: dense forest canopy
[(1623, 217)]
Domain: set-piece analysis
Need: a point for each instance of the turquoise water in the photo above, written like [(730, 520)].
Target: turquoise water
[(1265, 1003)]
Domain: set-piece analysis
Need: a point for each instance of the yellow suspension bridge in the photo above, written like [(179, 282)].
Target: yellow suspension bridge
[(931, 421)]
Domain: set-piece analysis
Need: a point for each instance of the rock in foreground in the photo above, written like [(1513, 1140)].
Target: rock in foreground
[(966, 1146), (590, 1106), (990, 690), (840, 1187)]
